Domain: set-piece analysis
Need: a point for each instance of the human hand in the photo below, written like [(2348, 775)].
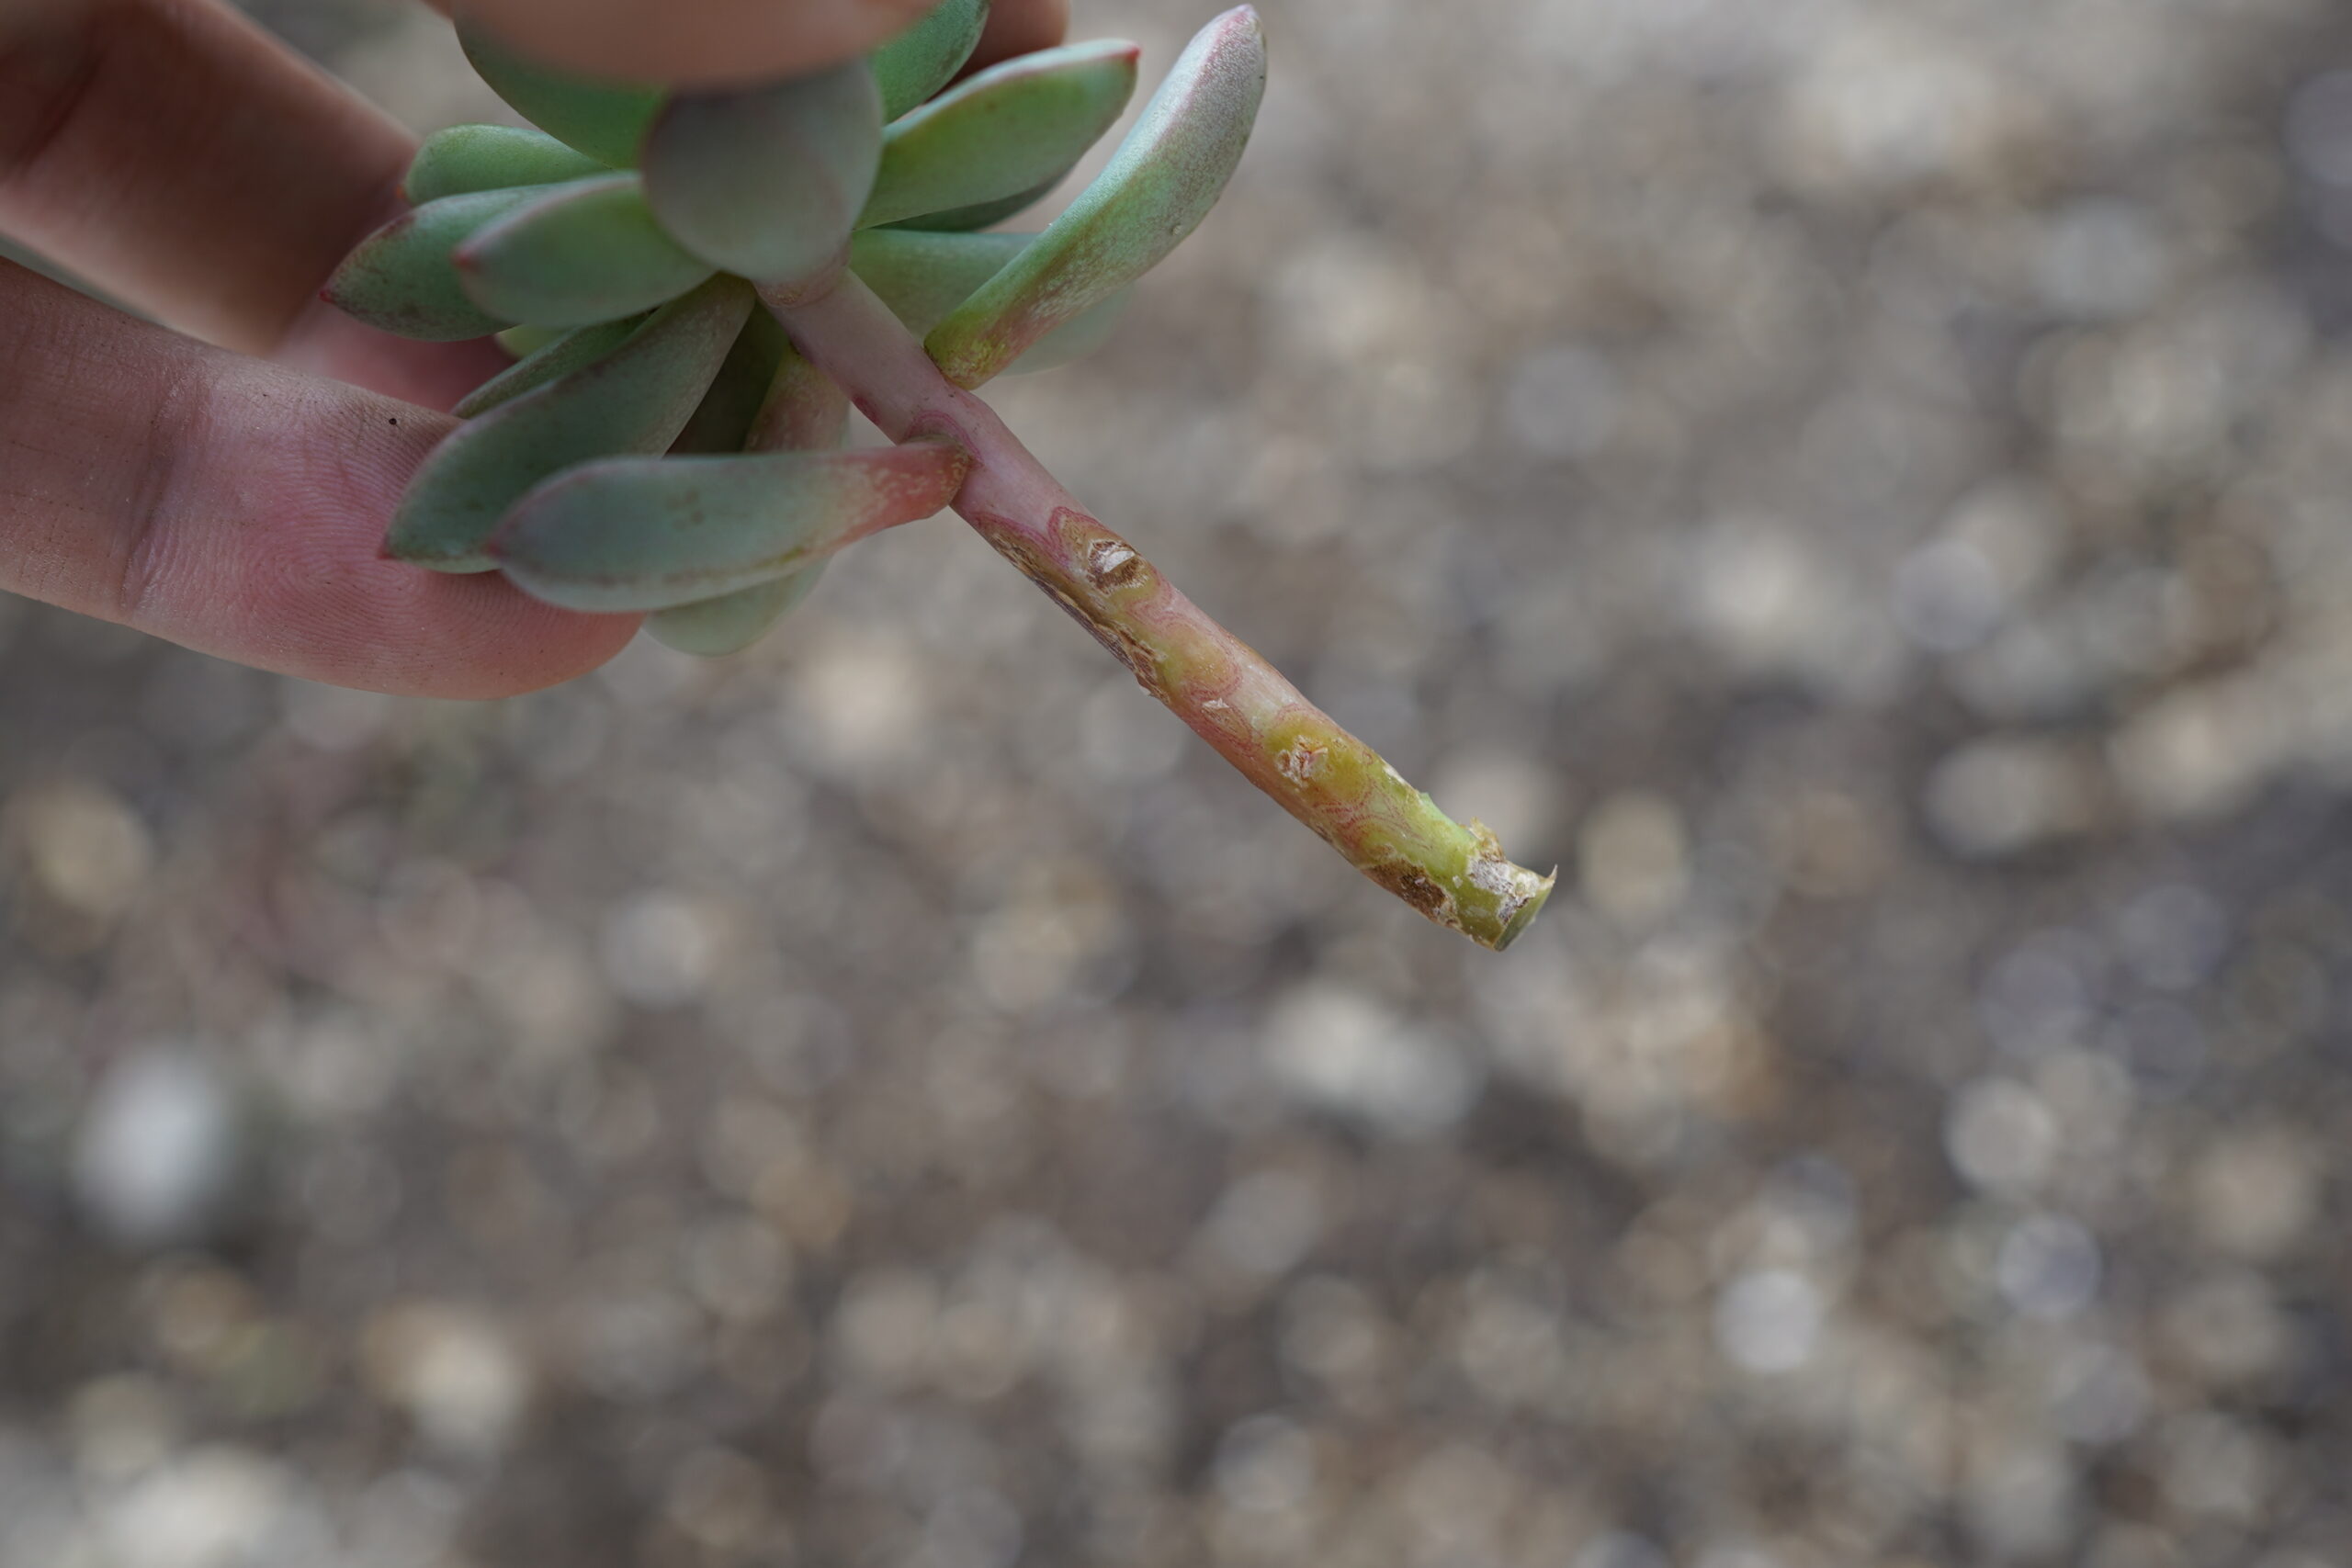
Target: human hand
[(227, 490)]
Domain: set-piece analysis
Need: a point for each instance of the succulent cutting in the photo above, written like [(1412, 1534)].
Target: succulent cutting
[(700, 285)]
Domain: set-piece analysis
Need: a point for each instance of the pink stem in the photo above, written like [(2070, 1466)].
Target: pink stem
[(1231, 697)]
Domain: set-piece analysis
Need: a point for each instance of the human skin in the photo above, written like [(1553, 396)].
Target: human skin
[(220, 476)]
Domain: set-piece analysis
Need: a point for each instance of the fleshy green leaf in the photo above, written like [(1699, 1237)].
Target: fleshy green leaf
[(923, 277), (565, 354), (963, 220), (635, 398), (605, 119), (491, 157), (402, 279), (803, 411), (526, 341), (724, 420), (766, 182), (640, 534), (1160, 184), (1007, 130), (576, 254), (1074, 338), (925, 58), (713, 629)]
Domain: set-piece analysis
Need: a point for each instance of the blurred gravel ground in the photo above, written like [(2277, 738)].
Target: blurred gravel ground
[(1861, 484)]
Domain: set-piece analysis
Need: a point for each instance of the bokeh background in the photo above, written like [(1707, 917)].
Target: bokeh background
[(1860, 484)]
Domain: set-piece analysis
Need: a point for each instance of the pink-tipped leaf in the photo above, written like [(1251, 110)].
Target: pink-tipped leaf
[(402, 279), (1160, 184), (923, 276), (643, 533), (803, 411), (635, 398)]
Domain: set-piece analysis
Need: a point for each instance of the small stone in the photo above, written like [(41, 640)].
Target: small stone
[(661, 948), (2172, 937), (2227, 1328), (860, 704), (87, 850), (1769, 1321), (1634, 858), (2001, 1137), (1828, 844), (1265, 1465), (215, 1508), (717, 1499), (2101, 259), (2198, 750), (1946, 596), (160, 1149), (1563, 402), (2047, 1267), (883, 1329), (737, 1269), (2256, 1194), (1509, 1339), (2037, 998), (454, 1370), (121, 1426), (2021, 1494), (1333, 1331), (1334, 1047), (2006, 794), (2215, 1467), (1265, 1222), (1514, 796), (1759, 594), (2098, 1394)]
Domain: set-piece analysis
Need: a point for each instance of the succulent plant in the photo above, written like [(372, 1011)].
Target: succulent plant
[(701, 283)]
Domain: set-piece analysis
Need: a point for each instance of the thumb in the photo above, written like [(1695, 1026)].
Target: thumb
[(692, 41)]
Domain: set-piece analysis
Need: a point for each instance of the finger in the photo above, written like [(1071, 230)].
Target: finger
[(236, 507), (174, 156), (1020, 26), (723, 40), (325, 341)]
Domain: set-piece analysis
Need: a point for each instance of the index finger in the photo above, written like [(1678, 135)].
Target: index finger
[(237, 507), (705, 41)]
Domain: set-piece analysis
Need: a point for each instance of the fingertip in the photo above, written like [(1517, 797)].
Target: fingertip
[(1020, 26), (503, 642), (711, 42), (324, 341), (239, 508)]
